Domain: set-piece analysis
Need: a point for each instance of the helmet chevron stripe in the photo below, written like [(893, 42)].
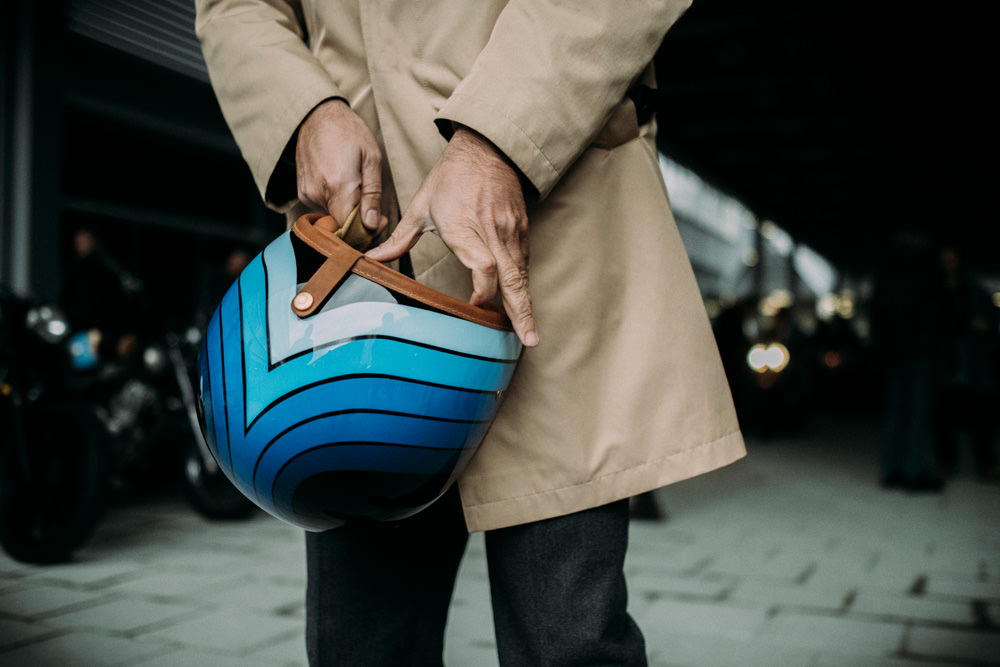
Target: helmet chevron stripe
[(361, 387)]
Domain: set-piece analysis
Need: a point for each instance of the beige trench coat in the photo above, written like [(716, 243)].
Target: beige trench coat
[(626, 392)]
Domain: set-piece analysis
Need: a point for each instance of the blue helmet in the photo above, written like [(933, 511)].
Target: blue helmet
[(334, 388)]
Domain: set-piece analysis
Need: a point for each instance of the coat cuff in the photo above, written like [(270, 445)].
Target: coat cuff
[(511, 139)]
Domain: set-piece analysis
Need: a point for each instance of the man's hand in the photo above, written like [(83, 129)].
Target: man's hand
[(338, 163), (473, 199)]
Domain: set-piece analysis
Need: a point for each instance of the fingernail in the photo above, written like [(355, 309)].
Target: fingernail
[(371, 219), (531, 339)]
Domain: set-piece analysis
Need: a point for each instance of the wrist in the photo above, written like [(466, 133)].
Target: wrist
[(467, 139)]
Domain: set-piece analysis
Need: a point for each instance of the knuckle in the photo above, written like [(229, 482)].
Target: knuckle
[(372, 159), (484, 265), (515, 278), (509, 225)]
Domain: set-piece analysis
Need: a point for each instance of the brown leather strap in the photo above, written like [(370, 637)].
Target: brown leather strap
[(312, 295), (340, 255)]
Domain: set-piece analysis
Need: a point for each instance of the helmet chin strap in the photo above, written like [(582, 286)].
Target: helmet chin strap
[(340, 259)]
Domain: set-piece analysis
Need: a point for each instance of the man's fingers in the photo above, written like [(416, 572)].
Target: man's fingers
[(499, 270), (513, 284), (339, 164), (341, 203), (523, 321), (484, 282), (403, 238), (371, 191), (509, 246)]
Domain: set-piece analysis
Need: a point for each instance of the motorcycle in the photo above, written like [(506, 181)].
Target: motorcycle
[(83, 430), (54, 462), (206, 487)]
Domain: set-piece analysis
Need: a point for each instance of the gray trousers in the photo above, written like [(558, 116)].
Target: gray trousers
[(379, 594)]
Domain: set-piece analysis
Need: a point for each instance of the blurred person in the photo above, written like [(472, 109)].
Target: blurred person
[(494, 124), (99, 294), (215, 278), (966, 388), (906, 330)]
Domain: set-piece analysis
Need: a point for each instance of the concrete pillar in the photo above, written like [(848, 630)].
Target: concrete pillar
[(31, 141)]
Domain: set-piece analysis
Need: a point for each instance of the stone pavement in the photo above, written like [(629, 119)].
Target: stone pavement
[(791, 558)]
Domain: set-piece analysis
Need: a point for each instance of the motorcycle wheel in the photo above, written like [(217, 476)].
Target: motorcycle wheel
[(212, 494), (45, 517)]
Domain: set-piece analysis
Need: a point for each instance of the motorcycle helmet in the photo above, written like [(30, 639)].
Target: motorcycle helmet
[(333, 388)]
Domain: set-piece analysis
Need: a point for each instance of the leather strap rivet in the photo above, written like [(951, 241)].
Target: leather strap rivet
[(302, 300)]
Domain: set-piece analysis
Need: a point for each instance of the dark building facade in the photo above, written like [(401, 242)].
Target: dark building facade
[(109, 125)]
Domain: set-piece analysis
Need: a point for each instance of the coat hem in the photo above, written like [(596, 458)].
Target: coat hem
[(607, 488)]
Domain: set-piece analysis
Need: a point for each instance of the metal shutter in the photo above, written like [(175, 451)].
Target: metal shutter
[(160, 31)]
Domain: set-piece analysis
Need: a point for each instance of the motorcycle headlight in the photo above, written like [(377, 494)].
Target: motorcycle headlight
[(773, 357), (154, 359), (192, 336), (48, 323)]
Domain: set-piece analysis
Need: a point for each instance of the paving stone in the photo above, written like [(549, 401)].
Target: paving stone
[(836, 659), (92, 575), (843, 565), (262, 596), (666, 558), (701, 619), (965, 587), (963, 559), (290, 652), (752, 568), (469, 633), (40, 600), (657, 585), (187, 657), (14, 632), (902, 608), (126, 616), (469, 636), (674, 649), (212, 561), (79, 650), (470, 622), (766, 595), (11, 569), (464, 653), (230, 631), (11, 586), (826, 632), (888, 579), (180, 585), (980, 647)]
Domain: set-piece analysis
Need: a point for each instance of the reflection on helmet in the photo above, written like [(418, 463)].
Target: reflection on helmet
[(368, 408)]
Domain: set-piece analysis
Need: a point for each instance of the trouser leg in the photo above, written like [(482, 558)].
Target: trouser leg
[(894, 436), (558, 590), (920, 458), (378, 594)]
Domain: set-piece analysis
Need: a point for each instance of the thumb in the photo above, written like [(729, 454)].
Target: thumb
[(404, 237), (371, 193)]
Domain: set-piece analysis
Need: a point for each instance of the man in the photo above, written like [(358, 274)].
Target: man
[(501, 127)]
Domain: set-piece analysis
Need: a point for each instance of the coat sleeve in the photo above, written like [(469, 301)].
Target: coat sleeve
[(266, 80), (552, 74)]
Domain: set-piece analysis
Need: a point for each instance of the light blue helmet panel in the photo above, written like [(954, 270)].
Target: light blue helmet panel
[(367, 409)]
